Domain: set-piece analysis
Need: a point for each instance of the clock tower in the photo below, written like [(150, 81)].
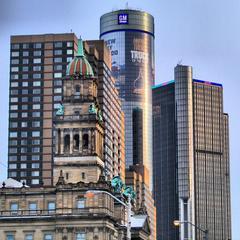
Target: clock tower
[(79, 125)]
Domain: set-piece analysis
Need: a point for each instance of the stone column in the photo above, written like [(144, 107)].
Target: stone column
[(96, 141), (61, 141), (71, 141), (80, 141)]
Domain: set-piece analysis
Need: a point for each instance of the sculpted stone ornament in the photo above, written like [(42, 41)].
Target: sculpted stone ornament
[(60, 110), (92, 109), (100, 118)]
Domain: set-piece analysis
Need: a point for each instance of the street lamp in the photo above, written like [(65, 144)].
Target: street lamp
[(128, 206), (177, 223)]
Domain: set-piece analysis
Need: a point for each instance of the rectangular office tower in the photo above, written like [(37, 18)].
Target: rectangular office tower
[(191, 159), (38, 65)]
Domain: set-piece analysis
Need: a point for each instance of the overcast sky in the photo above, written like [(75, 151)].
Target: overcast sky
[(201, 33)]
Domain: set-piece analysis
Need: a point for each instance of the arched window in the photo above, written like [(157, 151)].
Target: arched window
[(67, 143), (76, 142), (85, 141), (77, 90)]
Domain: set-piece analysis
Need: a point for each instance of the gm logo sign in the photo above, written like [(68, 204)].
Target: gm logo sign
[(123, 18)]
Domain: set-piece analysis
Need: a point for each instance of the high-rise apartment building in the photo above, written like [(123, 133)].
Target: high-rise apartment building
[(191, 158), (38, 64), (129, 34)]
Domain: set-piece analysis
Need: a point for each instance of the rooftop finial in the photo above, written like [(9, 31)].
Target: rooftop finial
[(80, 52)]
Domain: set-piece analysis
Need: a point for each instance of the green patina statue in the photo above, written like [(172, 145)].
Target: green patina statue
[(119, 187), (60, 110), (100, 118), (92, 108)]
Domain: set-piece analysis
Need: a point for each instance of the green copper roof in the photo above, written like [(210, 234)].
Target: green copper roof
[(80, 52), (80, 65)]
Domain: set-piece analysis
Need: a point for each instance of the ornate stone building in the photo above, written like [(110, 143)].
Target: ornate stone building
[(80, 205)]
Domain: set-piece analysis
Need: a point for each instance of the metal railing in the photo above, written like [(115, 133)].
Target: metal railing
[(91, 211), (80, 117)]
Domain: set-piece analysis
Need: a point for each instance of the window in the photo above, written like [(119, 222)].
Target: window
[(37, 84), (13, 115), (69, 51), (28, 236), (25, 107), (24, 114), (23, 158), (14, 100), (13, 124), (51, 207), (25, 69), (23, 150), (37, 60), (57, 60), (36, 114), (37, 53), (48, 236), (85, 141), (13, 134), (36, 106), (24, 124), (25, 76), (69, 59), (81, 203), (12, 158), (15, 46), (57, 90), (23, 165), (36, 124), (35, 158), (57, 98), (58, 52), (15, 54), (36, 75), (57, 67), (13, 143), (24, 134), (25, 61), (35, 165), (36, 142), (12, 174), (14, 208), (25, 99), (69, 44), (36, 68), (13, 150), (24, 142), (36, 134), (14, 76), (25, 45), (14, 69), (81, 236), (10, 236), (32, 206), (14, 61), (25, 84), (35, 173), (37, 45), (23, 174), (35, 181), (36, 91), (14, 107), (36, 99), (58, 44), (24, 92), (35, 149), (12, 166), (25, 54), (57, 75), (14, 84)]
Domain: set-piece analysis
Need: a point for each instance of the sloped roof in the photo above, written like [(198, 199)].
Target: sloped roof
[(138, 221), (11, 183)]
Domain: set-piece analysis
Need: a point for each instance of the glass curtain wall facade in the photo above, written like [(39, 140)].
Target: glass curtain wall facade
[(164, 161), (129, 34), (197, 158)]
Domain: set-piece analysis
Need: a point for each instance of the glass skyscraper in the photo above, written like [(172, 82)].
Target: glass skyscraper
[(191, 158), (130, 36)]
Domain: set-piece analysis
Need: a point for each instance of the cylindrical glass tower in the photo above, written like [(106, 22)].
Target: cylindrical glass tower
[(130, 36)]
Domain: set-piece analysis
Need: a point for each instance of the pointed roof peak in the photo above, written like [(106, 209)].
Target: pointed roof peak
[(80, 51)]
